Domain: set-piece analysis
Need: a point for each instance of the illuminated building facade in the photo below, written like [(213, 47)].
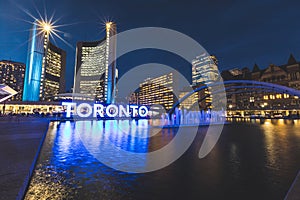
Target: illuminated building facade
[(157, 90), (204, 71), (53, 81), (203, 97), (45, 68), (34, 65), (190, 101), (286, 75), (12, 74), (31, 107), (96, 71)]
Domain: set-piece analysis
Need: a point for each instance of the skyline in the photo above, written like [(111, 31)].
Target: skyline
[(247, 40)]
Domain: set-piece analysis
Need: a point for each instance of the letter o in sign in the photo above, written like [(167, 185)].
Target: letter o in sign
[(84, 105)]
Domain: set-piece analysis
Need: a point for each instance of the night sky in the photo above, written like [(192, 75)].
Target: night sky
[(239, 33)]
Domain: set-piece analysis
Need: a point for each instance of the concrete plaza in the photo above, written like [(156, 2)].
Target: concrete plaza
[(20, 138)]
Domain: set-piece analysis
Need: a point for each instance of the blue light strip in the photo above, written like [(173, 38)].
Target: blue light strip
[(33, 66)]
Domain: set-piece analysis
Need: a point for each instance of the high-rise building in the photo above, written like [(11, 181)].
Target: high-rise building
[(96, 73), (189, 102), (204, 69), (12, 74), (45, 68), (53, 82), (158, 90), (204, 72)]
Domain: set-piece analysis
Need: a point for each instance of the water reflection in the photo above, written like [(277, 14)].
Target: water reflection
[(257, 158), (278, 134), (128, 135)]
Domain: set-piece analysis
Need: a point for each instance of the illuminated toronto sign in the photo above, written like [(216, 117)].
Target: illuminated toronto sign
[(99, 110)]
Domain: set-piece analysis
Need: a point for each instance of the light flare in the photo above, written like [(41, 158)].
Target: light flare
[(46, 25)]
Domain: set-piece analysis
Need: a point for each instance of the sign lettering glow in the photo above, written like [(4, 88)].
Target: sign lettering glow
[(99, 110)]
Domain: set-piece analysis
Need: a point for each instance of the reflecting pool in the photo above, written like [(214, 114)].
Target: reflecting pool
[(254, 159)]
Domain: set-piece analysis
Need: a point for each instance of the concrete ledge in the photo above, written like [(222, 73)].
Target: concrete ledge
[(19, 144), (294, 191)]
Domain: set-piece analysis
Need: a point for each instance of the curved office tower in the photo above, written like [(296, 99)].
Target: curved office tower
[(45, 67), (95, 74), (90, 69), (111, 30), (53, 76)]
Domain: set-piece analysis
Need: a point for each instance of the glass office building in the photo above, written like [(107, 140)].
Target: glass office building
[(90, 69), (157, 91), (204, 72), (204, 69), (95, 74), (53, 80)]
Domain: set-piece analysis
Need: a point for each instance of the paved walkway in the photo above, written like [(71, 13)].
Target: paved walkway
[(19, 142)]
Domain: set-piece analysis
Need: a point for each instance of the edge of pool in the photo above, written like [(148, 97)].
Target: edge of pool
[(25, 186), (294, 190)]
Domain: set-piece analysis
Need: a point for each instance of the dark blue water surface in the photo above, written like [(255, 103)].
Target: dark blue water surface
[(250, 161)]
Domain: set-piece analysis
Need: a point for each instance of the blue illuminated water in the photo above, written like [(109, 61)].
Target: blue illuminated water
[(251, 161)]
